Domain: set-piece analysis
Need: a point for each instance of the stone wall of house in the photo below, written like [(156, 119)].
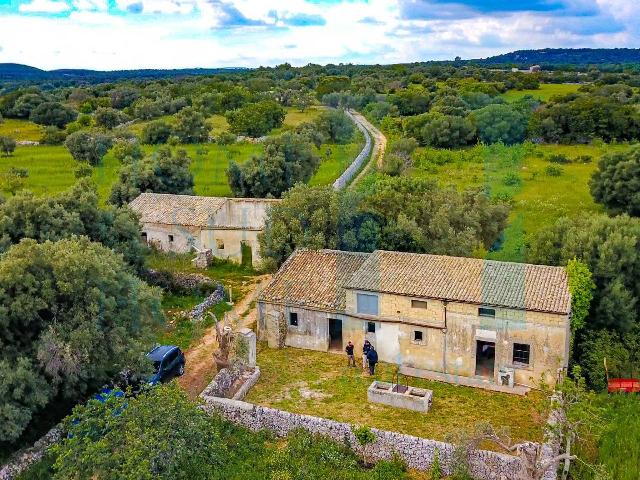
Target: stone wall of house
[(418, 453)]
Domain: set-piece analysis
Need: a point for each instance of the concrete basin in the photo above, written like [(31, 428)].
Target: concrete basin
[(410, 398)]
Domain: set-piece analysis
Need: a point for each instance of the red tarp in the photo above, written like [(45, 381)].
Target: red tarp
[(628, 385)]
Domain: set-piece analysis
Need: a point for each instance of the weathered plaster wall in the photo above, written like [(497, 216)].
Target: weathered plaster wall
[(184, 238), (449, 348), (232, 240)]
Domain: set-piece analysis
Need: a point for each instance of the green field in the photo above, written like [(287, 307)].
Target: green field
[(51, 168), (544, 93), (20, 130), (519, 173), (339, 158)]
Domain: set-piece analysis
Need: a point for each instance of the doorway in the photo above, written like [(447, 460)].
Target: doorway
[(246, 254), (335, 334), (485, 358)]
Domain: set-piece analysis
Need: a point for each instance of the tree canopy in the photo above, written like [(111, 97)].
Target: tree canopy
[(88, 146), (287, 160), (616, 183), (72, 315), (161, 172)]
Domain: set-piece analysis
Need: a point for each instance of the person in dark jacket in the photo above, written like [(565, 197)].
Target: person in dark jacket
[(350, 358), (365, 349), (372, 358)]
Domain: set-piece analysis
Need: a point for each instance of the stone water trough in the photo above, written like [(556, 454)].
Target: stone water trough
[(400, 396)]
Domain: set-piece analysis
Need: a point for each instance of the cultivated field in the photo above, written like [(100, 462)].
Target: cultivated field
[(545, 92)]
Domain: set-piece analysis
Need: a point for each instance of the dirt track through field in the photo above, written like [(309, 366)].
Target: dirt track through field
[(200, 367)]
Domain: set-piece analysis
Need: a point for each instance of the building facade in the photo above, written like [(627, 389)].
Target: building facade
[(229, 227), (434, 316)]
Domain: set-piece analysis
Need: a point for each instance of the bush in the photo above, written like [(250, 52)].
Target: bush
[(335, 126), (53, 136), (560, 158), (226, 138), (191, 127), (512, 179), (7, 146), (155, 133), (53, 113), (256, 119), (109, 117), (553, 170)]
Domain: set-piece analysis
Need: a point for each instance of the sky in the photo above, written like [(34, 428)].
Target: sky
[(128, 34)]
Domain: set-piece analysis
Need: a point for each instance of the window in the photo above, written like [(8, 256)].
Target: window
[(419, 304), (171, 238), (417, 336), (219, 244), (293, 319), (521, 353), (487, 312), (367, 304), (371, 327)]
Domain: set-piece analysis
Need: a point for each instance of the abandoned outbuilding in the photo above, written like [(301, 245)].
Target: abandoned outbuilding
[(229, 227), (463, 320)]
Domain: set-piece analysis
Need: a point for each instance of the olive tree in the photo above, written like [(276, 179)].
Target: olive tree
[(73, 315), (88, 147)]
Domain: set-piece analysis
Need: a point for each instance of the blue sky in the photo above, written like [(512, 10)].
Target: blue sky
[(119, 34)]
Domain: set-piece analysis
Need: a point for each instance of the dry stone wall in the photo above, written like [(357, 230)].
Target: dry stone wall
[(352, 169), (417, 452)]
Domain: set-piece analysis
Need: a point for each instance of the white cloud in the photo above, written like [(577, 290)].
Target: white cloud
[(210, 33), (44, 6)]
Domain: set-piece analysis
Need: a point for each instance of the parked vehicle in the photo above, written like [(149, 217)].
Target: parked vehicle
[(623, 385), (168, 362)]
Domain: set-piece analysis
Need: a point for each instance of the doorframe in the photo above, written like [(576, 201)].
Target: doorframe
[(475, 366)]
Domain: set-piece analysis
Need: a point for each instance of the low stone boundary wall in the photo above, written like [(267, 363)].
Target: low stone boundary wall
[(352, 169), (418, 453), (30, 456), (216, 297)]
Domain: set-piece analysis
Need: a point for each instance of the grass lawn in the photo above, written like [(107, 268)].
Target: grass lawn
[(544, 93), (20, 129), (320, 384), (339, 158), (538, 199)]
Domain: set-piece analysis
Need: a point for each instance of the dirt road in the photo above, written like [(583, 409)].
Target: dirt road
[(379, 145), (200, 367)]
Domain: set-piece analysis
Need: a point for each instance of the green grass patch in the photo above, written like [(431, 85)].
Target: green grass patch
[(538, 199), (334, 160), (321, 384), (20, 129), (544, 93)]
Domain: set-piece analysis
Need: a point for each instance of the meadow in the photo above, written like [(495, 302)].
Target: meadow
[(51, 168), (539, 191), (544, 93)]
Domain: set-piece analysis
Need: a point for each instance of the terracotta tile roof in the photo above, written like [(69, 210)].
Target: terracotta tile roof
[(469, 280), (171, 209), (314, 278)]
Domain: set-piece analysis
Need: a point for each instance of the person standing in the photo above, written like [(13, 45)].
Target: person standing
[(365, 350), (372, 358), (350, 358)]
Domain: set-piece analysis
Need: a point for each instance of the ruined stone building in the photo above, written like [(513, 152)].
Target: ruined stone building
[(182, 223), (497, 325)]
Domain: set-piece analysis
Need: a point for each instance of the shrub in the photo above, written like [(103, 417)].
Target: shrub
[(7, 146), (553, 170), (560, 158), (155, 133), (512, 179), (53, 136), (226, 138)]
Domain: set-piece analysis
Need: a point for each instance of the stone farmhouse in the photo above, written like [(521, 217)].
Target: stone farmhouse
[(497, 325), (229, 227)]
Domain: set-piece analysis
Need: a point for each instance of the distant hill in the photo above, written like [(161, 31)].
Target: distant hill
[(565, 56), (14, 72)]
